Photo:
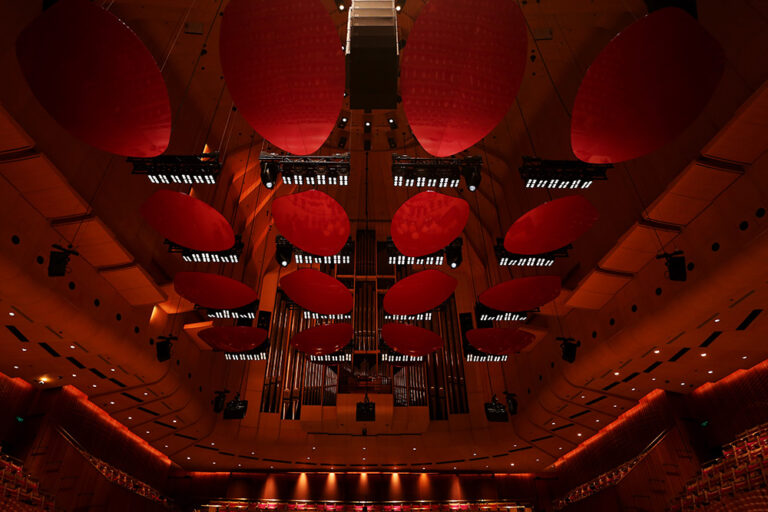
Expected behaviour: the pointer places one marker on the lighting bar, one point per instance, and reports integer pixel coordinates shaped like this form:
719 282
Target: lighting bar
404 318
332 358
394 257
315 170
400 358
305 258
561 174
191 256
309 315
179 169
500 316
508 259
247 312
410 171
262 356
485 358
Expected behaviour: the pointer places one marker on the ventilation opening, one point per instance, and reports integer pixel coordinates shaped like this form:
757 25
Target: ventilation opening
135 399
578 414
143 409
680 353
98 373
630 376
17 333
49 349
750 318
541 439
652 367
712 337
611 385
76 362
596 400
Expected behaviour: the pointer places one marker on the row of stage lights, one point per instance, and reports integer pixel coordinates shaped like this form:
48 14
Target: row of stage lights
305 170
285 251
411 172
399 5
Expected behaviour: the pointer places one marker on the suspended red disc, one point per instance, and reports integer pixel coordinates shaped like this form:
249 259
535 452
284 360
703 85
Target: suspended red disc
461 71
317 292
285 70
551 226
524 294
428 222
323 339
645 88
213 291
419 293
410 340
188 222
96 78
500 341
313 221
234 339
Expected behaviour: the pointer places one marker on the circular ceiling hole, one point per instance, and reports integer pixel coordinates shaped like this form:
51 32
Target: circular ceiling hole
136 329
612 321
634 308
151 341
760 213
15 240
594 334
119 317
96 302
71 285
691 266
658 291
40 260
715 246
744 225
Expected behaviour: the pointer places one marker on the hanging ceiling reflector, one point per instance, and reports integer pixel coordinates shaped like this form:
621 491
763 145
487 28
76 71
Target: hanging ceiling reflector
645 88
323 339
419 293
285 69
234 339
428 222
317 292
188 222
500 341
524 294
96 78
313 221
461 71
550 226
213 291
410 340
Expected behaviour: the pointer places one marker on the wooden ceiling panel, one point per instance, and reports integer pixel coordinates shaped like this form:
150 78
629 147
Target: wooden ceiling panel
745 137
637 247
597 289
95 243
12 137
134 285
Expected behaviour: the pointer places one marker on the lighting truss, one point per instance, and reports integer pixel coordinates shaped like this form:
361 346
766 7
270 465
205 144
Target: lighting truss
408 171
485 358
191 256
508 259
332 358
247 312
400 358
305 258
394 257
309 170
486 314
309 315
405 318
179 169
245 356
561 174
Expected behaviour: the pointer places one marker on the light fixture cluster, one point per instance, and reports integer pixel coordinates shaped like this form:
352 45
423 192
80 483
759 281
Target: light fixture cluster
561 174
400 358
405 318
179 169
485 314
314 170
508 259
247 312
309 315
246 356
408 171
332 358
451 255
485 358
191 256
286 251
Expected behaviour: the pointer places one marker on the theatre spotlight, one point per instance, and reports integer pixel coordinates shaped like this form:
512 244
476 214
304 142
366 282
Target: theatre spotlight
58 260
283 252
268 175
399 5
675 263
340 5
569 346
453 254
472 176
392 122
343 120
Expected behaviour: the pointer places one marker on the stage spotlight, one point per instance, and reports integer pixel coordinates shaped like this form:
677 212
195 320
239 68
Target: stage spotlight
472 176
343 120
392 122
367 127
236 408
392 143
268 175
495 410
453 254
284 252
399 5
58 260
511 402
342 142
569 346
340 5
675 263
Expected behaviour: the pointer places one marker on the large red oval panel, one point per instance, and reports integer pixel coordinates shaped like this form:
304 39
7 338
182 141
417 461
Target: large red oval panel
647 86
285 70
461 71
500 341
213 291
234 338
428 222
551 226
187 221
317 292
323 339
96 78
410 340
524 294
313 221
419 293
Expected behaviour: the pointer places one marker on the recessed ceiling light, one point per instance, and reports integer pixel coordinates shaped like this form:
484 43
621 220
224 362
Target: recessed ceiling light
112 369
633 389
717 320
743 357
537 460
364 448
474 454
147 431
130 418
23 350
614 405
93 385
657 351
11 313
15 367
710 371
582 396
703 354
597 421
579 434
653 378
511 464
111 403
72 347
74 375
414 448
560 448
214 462
189 458
682 383
553 422
616 373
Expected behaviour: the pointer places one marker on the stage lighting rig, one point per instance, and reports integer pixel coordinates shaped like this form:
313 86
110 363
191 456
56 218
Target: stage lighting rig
408 171
390 356
191 256
342 356
486 315
561 174
495 410
409 318
675 263
179 169
309 315
236 408
453 251
285 249
247 312
508 259
453 254
569 346
305 170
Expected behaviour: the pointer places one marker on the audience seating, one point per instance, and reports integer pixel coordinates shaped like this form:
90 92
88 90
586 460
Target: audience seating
18 491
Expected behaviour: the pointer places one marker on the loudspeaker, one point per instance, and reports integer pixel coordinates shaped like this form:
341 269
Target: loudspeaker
366 411
569 351
57 263
676 267
163 350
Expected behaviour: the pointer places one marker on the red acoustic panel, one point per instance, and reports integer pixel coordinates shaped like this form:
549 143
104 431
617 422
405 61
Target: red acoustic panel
317 292
524 294
285 70
461 71
410 340
500 341
188 222
313 221
234 339
96 78
428 222
213 291
323 339
647 86
551 226
419 293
